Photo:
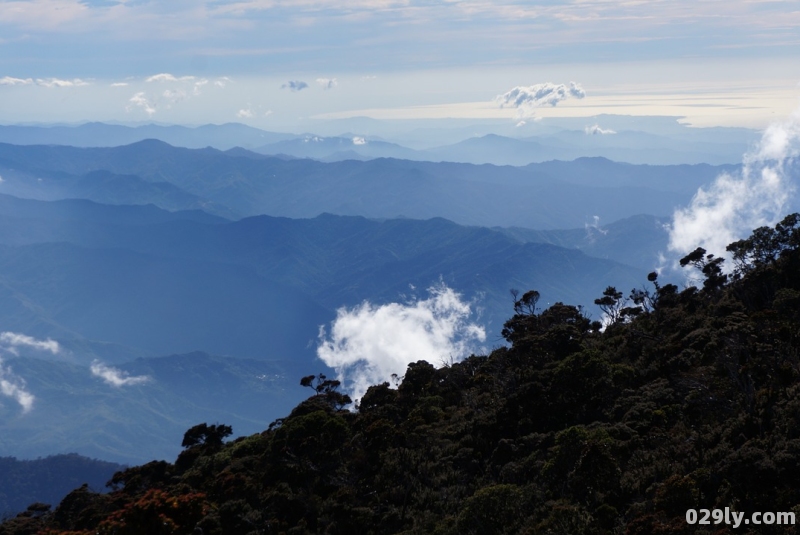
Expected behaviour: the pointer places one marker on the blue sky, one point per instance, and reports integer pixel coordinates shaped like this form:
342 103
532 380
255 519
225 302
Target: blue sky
715 62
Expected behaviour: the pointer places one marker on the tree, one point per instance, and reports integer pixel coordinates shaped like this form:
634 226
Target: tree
206 435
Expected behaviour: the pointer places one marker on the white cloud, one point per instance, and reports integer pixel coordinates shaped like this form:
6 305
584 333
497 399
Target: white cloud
327 83
140 100
735 204
597 129
245 114
222 82
358 140
119 84
527 98
56 82
8 80
12 385
11 341
369 343
294 85
166 77
115 377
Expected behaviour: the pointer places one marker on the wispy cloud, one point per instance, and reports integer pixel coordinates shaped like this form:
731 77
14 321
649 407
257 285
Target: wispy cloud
327 83
14 387
9 80
166 77
57 82
115 377
119 84
10 341
596 129
140 100
369 343
294 85
11 385
737 203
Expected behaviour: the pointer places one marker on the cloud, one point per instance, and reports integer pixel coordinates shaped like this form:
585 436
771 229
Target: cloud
245 114
327 83
596 129
12 341
526 98
294 85
14 387
358 140
369 343
115 377
173 96
736 203
56 82
222 82
8 80
11 385
119 84
140 100
166 77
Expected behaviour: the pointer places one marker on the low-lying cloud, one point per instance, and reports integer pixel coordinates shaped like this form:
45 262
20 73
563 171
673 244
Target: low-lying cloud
527 98
736 203
597 129
11 342
12 385
115 377
369 343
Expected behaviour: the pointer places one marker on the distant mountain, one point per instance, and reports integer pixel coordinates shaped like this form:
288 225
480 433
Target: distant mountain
635 241
550 195
223 136
48 480
339 148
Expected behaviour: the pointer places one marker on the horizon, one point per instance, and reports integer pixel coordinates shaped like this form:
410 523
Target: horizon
286 66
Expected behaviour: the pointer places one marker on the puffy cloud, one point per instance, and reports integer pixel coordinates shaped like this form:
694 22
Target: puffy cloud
527 98
115 377
8 80
358 140
327 83
173 96
12 341
222 82
294 85
245 114
119 84
596 129
369 343
56 82
737 203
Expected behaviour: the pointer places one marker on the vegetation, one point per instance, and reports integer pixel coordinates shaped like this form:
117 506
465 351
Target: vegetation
690 401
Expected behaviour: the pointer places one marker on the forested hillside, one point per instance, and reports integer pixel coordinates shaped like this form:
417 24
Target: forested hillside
687 399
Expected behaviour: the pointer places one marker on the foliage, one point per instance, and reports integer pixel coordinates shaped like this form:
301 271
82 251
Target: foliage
692 402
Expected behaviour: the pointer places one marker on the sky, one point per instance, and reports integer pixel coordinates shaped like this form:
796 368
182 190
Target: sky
285 64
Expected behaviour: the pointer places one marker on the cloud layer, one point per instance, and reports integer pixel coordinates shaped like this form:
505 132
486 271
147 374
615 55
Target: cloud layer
735 204
294 85
369 343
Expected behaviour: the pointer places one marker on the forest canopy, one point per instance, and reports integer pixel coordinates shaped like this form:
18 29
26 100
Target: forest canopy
685 399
